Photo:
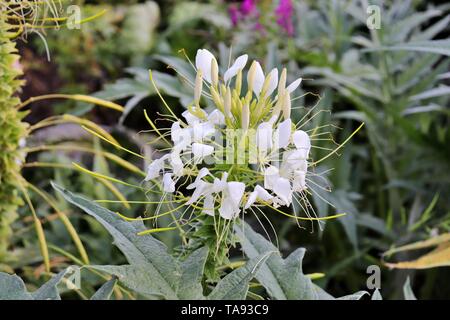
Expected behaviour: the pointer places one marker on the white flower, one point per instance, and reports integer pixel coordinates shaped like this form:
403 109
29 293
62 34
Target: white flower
238 65
273 83
231 198
264 137
200 150
216 118
203 62
258 193
155 168
294 85
255 78
301 140
201 174
285 168
282 189
168 183
283 133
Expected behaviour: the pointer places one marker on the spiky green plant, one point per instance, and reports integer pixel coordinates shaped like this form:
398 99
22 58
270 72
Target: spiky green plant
12 131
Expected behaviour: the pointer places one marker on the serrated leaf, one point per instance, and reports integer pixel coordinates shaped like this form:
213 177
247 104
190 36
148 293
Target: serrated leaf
140 250
234 286
191 275
12 287
49 290
142 278
105 291
283 279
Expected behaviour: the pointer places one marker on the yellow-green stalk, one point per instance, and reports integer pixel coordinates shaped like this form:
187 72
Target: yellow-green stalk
12 131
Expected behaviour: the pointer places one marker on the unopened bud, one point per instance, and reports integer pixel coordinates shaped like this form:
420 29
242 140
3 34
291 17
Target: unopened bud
282 82
198 88
245 117
227 103
214 72
251 76
287 105
238 84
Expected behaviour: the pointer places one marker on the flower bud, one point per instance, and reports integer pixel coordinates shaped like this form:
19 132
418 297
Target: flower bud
214 72
198 88
282 82
245 117
227 103
287 105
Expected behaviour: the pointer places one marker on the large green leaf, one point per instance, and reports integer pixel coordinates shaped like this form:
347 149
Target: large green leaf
282 278
152 272
234 286
105 291
13 288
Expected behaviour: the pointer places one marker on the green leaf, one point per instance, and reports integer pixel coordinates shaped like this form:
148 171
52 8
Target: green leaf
282 278
49 290
140 250
142 278
432 46
152 271
105 291
192 274
13 288
234 286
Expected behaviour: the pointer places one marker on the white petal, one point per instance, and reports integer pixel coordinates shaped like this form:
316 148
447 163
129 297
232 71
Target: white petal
258 80
294 85
201 174
301 140
190 118
283 133
168 183
236 191
283 190
176 163
203 130
239 64
271 174
216 118
273 81
181 137
295 157
203 62
226 210
264 137
299 182
220 185
200 150
199 191
208 204
154 168
258 193
251 199
262 193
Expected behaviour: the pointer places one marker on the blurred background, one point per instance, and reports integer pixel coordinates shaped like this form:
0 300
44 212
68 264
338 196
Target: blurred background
392 179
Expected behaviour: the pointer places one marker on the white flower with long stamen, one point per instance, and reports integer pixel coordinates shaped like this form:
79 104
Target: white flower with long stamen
243 152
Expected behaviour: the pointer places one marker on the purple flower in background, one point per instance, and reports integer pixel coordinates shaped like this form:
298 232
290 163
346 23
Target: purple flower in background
284 13
248 7
234 14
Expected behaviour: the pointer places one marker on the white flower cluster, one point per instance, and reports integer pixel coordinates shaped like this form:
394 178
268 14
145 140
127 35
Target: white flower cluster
282 150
